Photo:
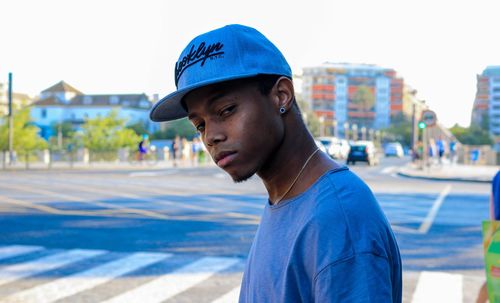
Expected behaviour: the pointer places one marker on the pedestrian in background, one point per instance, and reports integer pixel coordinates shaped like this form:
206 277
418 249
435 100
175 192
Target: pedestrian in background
323 236
195 150
176 146
495 216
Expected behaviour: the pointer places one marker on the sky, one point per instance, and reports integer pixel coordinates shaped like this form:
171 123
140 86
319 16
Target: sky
113 47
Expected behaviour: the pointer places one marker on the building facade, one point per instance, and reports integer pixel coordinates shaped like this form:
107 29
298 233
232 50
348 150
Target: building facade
19 100
63 103
486 108
361 95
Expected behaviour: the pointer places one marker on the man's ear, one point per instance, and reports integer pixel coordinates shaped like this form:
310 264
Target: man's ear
283 94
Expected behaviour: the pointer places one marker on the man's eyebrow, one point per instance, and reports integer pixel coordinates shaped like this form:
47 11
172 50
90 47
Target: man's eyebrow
210 102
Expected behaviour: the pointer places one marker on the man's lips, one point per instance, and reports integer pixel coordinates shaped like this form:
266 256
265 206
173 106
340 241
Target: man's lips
222 159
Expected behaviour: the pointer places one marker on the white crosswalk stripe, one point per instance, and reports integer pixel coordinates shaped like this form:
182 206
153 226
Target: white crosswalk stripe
14 272
81 281
172 276
17 250
438 287
171 284
230 297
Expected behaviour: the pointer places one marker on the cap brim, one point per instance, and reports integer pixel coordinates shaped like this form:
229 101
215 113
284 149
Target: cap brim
170 108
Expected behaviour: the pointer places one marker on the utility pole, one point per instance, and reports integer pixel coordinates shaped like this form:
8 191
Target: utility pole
414 127
11 123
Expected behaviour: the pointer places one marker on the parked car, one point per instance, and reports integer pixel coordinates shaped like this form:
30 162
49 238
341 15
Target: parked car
363 151
321 146
344 148
337 148
394 149
332 145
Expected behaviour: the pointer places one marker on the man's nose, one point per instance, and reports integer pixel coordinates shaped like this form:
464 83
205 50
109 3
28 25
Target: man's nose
214 135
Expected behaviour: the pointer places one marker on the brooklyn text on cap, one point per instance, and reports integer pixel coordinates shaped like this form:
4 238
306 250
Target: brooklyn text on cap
227 53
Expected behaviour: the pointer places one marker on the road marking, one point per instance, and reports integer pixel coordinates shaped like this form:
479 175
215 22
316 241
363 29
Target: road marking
173 283
73 284
110 208
427 223
15 272
388 170
434 287
230 297
151 173
17 250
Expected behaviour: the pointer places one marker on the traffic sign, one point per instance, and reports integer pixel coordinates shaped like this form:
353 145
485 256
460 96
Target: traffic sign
429 117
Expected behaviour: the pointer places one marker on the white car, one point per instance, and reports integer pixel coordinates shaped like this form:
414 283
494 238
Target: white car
394 149
321 146
332 146
344 148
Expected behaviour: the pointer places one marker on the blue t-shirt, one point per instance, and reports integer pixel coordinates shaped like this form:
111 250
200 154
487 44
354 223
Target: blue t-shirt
331 243
495 195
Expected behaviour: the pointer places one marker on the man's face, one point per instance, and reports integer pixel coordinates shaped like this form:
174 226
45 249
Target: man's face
239 126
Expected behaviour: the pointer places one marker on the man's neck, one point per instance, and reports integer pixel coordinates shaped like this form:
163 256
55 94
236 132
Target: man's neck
287 163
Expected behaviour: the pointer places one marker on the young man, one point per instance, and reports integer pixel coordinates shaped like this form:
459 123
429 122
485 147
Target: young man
322 237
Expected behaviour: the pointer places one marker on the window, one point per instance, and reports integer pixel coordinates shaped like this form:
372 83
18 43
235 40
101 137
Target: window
114 100
87 100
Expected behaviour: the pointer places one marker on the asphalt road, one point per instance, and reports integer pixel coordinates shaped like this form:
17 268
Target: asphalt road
182 234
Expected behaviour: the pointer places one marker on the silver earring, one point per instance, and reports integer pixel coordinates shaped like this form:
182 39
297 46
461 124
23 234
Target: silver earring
282 110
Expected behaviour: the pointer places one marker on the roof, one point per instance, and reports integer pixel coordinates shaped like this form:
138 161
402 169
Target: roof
124 100
21 96
49 101
62 87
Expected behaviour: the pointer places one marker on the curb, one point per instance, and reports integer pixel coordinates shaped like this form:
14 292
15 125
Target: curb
407 175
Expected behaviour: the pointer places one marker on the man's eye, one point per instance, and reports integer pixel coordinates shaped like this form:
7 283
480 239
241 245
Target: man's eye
227 110
200 127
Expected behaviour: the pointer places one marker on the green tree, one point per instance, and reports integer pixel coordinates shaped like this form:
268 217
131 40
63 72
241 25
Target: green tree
26 138
182 127
103 136
399 131
65 128
310 119
473 135
66 132
364 97
139 128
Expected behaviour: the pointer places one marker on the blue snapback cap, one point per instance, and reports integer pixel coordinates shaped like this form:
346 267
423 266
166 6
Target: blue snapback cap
227 53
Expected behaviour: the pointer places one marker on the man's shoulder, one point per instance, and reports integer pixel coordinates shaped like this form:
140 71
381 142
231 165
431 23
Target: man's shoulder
345 186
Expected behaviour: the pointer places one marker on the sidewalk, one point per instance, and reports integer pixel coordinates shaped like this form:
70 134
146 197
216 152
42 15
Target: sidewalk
103 165
451 172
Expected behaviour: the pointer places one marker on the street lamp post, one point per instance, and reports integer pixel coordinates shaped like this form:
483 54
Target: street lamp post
346 130
11 123
355 132
322 126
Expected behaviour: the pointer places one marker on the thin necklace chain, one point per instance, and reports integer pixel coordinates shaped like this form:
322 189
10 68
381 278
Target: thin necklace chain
297 177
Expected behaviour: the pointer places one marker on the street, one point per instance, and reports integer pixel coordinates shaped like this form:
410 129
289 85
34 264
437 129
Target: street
182 234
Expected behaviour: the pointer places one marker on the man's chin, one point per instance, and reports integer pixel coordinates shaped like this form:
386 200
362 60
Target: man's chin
240 177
